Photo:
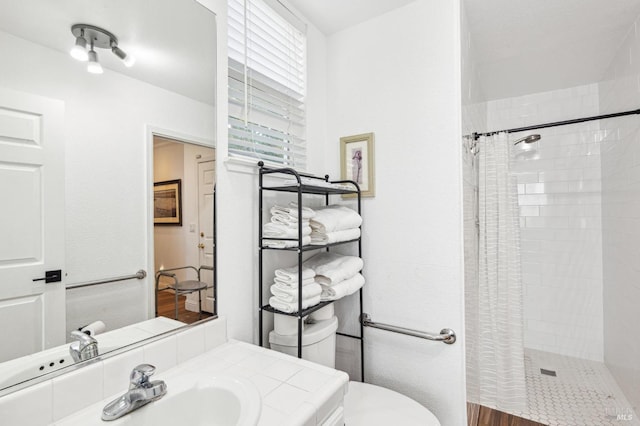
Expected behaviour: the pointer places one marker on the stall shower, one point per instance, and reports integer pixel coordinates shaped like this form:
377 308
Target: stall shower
543 241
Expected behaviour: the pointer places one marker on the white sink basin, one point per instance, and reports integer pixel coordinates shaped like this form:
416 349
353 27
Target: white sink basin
191 400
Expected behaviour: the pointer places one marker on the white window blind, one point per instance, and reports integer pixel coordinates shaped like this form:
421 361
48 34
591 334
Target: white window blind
267 80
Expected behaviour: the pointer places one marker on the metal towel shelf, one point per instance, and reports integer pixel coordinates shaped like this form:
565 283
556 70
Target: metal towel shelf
446 335
141 274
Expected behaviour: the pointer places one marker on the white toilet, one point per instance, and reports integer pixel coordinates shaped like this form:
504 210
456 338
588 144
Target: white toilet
364 404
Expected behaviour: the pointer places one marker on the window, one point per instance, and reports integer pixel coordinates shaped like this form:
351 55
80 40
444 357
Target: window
267 79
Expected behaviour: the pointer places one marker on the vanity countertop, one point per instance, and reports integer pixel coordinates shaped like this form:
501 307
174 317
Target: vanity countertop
293 391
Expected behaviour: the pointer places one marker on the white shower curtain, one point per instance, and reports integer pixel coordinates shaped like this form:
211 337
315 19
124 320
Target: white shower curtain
494 324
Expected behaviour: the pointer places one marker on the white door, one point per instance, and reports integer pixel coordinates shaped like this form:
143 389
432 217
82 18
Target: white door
31 223
206 182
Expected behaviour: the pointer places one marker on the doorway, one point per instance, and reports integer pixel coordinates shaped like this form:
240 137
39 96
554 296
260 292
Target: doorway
183 235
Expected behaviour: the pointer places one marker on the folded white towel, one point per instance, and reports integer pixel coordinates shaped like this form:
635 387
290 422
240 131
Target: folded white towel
291 307
342 289
335 218
320 238
290 294
286 243
275 230
288 220
331 268
291 274
292 210
294 284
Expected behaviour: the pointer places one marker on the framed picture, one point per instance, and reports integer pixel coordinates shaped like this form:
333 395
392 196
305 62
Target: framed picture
357 162
167 203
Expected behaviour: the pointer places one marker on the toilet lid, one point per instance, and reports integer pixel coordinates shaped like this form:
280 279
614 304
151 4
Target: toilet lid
370 405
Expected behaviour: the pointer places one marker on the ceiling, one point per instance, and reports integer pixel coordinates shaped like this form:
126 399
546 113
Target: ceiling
159 33
519 46
524 46
331 16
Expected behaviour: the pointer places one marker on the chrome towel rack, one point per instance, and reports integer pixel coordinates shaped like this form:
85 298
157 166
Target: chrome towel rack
141 274
446 335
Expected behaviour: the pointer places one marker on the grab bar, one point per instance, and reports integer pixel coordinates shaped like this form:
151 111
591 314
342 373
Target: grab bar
446 335
141 274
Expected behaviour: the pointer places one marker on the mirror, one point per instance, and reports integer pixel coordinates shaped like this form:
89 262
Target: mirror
76 163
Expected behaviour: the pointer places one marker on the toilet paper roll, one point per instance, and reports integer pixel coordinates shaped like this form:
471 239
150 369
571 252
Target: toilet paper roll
323 314
286 325
94 328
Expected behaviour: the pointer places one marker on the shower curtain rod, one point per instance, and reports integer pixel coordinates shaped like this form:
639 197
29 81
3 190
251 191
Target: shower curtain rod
476 136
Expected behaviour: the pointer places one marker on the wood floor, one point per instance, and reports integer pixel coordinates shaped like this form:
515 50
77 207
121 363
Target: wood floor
166 300
479 415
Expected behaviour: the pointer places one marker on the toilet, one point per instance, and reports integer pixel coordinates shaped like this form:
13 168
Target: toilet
364 404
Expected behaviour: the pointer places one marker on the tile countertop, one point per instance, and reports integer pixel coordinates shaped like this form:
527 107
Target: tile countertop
293 391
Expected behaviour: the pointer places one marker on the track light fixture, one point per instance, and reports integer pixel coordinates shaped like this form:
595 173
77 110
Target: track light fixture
96 37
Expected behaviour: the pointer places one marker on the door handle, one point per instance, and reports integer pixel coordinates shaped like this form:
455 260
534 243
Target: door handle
201 245
51 276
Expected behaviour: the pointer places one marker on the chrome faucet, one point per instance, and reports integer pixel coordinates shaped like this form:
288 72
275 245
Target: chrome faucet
141 392
85 347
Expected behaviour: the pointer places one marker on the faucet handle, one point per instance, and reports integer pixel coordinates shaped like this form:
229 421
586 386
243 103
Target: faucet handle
140 376
83 338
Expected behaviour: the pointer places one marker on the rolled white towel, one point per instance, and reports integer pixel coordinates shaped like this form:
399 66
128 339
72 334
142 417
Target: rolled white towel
275 230
335 218
291 274
290 294
331 268
320 238
342 289
291 307
286 243
292 210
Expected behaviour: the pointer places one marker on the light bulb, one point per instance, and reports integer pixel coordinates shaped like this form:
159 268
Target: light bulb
79 51
94 66
127 60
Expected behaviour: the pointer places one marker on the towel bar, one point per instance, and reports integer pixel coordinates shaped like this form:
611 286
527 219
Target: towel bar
446 335
139 275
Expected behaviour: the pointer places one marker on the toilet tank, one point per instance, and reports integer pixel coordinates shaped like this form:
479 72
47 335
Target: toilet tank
318 342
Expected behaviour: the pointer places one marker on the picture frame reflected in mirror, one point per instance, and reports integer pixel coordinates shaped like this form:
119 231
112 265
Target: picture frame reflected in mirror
167 203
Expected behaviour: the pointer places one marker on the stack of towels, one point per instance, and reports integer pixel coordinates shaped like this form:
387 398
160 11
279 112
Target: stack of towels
325 276
285 289
284 224
337 275
334 224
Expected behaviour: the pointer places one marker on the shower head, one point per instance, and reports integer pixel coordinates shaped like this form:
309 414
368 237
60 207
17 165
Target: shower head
528 139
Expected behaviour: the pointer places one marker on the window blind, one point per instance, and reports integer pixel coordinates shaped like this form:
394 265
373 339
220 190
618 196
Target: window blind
267 81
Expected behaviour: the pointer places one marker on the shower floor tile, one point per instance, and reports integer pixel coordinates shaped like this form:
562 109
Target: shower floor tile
582 393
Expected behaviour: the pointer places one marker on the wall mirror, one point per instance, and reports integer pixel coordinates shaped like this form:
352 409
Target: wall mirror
80 152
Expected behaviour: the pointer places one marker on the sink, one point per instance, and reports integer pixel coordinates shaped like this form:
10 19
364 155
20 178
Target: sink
196 401
192 400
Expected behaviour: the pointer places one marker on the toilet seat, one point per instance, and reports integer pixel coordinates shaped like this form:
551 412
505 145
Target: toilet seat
370 405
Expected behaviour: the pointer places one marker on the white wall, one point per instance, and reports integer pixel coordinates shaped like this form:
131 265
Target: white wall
619 91
398 75
106 182
559 198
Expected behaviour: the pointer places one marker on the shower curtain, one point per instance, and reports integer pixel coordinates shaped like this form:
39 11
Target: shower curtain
494 320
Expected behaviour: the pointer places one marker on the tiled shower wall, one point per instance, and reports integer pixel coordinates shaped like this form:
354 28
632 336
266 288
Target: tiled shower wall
560 219
620 91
